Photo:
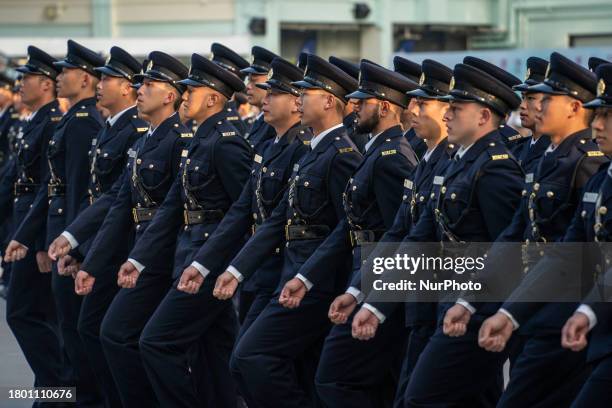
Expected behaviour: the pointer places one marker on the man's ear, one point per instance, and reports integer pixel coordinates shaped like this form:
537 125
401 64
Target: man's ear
485 116
294 104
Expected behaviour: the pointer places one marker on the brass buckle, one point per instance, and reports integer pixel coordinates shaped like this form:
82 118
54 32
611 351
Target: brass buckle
135 215
186 217
287 232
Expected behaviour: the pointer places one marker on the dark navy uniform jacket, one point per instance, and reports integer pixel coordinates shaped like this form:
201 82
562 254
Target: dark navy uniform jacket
213 173
350 124
233 117
108 158
313 202
477 197
371 199
8 118
262 192
155 160
559 181
418 190
29 167
259 133
68 168
418 145
593 211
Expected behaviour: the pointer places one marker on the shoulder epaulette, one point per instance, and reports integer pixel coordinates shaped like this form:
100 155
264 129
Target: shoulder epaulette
589 147
497 151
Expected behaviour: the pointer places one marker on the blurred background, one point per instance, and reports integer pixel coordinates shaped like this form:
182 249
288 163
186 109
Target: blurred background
505 32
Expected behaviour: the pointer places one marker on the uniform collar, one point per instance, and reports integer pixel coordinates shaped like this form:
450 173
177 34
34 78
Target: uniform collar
371 141
315 140
430 152
462 151
113 119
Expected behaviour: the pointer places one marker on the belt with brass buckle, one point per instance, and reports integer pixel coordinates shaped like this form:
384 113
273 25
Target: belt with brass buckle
195 217
143 214
56 190
360 237
305 232
24 188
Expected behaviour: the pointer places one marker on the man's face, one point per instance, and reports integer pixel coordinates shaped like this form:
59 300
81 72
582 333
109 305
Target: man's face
428 120
151 96
461 120
553 115
195 101
408 114
109 90
255 95
530 105
602 129
278 106
351 106
68 82
311 105
368 115
6 96
32 88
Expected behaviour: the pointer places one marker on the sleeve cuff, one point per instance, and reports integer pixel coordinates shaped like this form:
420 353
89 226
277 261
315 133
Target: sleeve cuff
381 317
307 283
71 239
201 268
589 313
512 319
356 293
136 264
231 269
467 305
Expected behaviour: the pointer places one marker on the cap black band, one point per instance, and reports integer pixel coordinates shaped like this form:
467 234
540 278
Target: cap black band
211 82
326 84
384 92
81 63
466 91
563 84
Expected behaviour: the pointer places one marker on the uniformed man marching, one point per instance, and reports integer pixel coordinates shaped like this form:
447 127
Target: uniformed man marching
592 223
371 199
214 170
153 163
309 213
108 158
479 192
570 160
30 310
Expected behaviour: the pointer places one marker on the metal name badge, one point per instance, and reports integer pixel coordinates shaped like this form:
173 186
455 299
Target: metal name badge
529 178
589 197
438 180
408 184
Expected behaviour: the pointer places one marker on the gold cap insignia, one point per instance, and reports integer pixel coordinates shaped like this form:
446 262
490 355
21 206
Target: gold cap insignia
422 79
601 87
270 73
451 85
528 74
150 65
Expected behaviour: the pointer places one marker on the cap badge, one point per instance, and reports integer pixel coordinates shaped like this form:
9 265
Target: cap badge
601 87
546 75
150 65
422 79
528 74
107 60
270 73
451 85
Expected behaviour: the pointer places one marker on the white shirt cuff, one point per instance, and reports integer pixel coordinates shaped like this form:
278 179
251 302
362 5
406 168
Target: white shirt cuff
307 283
512 319
231 269
381 317
201 268
589 313
467 305
71 239
356 293
136 264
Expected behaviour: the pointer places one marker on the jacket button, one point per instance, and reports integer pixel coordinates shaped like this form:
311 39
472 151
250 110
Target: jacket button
453 196
583 214
432 196
138 161
536 186
524 193
603 210
306 184
60 210
272 174
443 189
404 197
550 194
354 188
422 198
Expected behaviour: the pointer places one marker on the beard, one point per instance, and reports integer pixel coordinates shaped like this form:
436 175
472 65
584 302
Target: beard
367 125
